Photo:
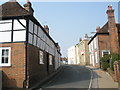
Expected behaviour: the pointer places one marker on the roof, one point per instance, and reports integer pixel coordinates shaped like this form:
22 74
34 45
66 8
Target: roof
11 8
103 31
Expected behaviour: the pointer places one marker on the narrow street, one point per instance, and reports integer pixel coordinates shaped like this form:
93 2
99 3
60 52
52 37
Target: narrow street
76 77
71 76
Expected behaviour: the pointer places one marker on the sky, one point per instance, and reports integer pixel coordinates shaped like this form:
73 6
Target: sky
69 21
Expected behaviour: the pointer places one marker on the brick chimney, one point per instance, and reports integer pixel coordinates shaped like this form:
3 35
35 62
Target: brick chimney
86 36
113 31
46 28
80 40
28 7
97 28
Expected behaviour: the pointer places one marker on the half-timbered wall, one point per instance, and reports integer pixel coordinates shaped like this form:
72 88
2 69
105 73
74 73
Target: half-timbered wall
15 31
37 37
12 30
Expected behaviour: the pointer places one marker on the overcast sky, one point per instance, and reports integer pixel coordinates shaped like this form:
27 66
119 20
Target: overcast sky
68 21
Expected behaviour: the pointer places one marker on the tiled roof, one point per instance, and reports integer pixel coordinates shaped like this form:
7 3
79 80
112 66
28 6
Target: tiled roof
104 29
10 9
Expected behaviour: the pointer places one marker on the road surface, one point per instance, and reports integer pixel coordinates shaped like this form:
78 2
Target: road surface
71 76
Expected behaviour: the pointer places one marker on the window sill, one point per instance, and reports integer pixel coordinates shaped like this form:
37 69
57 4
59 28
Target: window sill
3 65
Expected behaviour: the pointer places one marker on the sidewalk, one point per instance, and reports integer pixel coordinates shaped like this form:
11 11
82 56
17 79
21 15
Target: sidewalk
104 80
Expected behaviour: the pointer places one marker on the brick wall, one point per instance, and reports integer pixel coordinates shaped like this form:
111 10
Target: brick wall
14 75
36 71
103 44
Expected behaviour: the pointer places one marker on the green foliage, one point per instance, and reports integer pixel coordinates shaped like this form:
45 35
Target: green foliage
115 57
108 60
105 62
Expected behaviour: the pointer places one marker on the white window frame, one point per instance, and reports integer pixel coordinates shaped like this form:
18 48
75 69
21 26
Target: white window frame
105 51
9 56
41 57
50 60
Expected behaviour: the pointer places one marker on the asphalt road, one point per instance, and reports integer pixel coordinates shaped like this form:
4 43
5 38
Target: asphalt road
71 76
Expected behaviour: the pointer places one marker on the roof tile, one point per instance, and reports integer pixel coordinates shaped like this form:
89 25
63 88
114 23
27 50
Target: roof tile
9 9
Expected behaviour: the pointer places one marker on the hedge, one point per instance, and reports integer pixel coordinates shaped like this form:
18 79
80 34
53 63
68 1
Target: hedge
106 63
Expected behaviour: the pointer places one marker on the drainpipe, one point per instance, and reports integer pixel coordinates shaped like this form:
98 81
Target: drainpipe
26 82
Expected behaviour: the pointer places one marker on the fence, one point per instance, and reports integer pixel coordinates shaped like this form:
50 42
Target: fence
117 72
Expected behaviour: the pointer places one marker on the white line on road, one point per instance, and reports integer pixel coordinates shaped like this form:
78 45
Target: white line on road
90 85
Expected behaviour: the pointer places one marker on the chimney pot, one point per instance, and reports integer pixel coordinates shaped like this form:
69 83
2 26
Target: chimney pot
110 7
110 11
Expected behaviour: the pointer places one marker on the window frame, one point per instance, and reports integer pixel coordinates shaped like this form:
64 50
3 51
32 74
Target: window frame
50 59
41 59
105 51
9 56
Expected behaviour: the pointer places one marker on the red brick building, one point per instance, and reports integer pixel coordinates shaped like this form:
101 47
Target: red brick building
106 40
27 52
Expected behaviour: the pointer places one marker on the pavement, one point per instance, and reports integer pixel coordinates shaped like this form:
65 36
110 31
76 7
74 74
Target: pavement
103 80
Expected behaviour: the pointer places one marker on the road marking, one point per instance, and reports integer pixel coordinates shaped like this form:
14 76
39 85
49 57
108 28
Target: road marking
90 85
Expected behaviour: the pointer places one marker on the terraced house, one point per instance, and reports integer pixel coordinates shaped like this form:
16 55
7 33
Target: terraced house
27 52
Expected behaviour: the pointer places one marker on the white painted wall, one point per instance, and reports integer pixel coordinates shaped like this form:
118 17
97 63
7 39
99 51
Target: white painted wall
6 25
71 55
77 54
19 36
5 36
94 51
17 25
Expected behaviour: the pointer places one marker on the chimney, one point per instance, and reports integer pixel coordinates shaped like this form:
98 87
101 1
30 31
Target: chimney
28 7
46 28
86 36
97 28
80 40
110 11
113 31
